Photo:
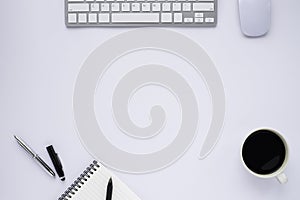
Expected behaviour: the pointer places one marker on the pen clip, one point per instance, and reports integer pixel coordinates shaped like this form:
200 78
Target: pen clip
58 160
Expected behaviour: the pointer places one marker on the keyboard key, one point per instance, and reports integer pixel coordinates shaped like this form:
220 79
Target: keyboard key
92 18
186 7
209 20
115 7
176 6
166 17
146 7
135 7
103 18
166 7
82 18
198 20
95 7
155 7
78 7
135 17
125 7
177 17
72 18
188 20
75 0
199 14
203 7
104 7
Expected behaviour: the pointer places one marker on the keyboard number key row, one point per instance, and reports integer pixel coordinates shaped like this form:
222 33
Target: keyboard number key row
135 18
106 7
76 1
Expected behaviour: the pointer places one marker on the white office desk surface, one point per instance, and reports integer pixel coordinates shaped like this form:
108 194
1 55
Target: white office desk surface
39 62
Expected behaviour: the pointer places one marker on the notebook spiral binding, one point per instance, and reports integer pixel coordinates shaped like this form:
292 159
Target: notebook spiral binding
80 181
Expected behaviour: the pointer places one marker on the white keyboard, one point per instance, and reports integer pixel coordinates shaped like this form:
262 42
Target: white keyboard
87 13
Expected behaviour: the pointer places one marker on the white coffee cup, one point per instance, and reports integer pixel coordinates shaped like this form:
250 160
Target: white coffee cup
265 156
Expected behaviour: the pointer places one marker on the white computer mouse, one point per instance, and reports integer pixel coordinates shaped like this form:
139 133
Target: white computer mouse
255 17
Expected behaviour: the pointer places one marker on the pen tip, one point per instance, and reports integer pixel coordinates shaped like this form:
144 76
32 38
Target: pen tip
110 180
63 178
16 137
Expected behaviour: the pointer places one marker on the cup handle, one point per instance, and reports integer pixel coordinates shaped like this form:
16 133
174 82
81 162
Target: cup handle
282 178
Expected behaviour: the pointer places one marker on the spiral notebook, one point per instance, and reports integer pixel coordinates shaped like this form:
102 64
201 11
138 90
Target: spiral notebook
92 185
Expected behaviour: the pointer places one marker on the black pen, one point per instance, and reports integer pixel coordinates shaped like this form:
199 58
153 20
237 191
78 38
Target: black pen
56 162
109 189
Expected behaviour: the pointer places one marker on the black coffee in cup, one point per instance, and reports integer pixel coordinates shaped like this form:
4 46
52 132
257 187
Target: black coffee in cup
263 152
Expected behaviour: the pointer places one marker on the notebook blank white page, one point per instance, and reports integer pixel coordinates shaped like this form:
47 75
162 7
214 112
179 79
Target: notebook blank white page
92 184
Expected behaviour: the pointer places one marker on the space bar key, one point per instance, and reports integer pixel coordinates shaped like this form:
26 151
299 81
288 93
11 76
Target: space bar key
135 17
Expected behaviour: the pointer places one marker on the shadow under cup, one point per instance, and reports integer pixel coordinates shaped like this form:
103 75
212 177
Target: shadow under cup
265 154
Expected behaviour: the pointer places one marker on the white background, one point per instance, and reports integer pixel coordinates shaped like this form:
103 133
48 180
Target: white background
39 62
